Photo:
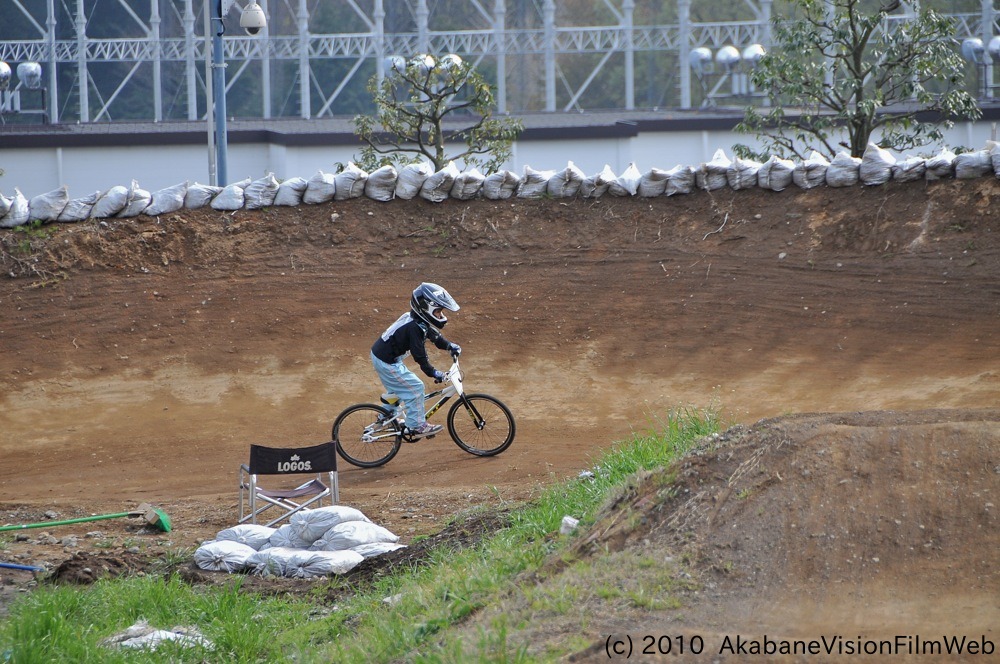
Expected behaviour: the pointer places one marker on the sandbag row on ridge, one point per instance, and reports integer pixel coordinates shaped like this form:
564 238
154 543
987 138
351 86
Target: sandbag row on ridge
876 167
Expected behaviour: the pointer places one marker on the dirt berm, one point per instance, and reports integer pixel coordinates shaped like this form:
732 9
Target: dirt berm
140 358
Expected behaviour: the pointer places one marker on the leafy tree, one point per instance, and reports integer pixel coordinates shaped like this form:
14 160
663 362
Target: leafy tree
413 102
882 76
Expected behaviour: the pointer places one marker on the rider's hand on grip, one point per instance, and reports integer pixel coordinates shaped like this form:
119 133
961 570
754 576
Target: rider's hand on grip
455 349
438 376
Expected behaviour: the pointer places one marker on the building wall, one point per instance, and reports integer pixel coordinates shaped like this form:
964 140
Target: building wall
85 170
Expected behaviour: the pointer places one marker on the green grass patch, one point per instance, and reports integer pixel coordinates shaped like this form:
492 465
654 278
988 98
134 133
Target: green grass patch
68 624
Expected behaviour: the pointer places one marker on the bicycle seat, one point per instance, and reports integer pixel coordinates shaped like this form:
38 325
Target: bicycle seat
389 399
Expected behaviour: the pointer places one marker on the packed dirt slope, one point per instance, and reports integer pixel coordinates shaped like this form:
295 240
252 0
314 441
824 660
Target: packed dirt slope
140 358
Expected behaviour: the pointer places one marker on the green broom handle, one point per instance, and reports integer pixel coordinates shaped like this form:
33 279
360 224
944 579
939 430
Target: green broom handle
66 521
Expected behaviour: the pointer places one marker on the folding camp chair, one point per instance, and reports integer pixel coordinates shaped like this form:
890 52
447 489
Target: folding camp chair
317 460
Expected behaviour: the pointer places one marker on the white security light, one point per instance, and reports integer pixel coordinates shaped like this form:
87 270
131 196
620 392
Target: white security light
728 57
30 74
972 49
396 63
752 54
700 59
252 19
5 75
994 49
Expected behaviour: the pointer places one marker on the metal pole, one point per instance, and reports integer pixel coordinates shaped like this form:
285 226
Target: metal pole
219 98
213 178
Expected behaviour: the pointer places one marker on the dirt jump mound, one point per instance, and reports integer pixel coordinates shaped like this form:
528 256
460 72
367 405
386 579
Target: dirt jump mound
865 526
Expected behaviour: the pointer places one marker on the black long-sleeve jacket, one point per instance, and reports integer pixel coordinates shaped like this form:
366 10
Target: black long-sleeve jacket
407 336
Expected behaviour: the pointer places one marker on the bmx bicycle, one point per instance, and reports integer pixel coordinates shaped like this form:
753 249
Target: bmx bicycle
369 435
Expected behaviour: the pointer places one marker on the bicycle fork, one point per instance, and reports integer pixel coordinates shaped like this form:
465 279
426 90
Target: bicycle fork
474 414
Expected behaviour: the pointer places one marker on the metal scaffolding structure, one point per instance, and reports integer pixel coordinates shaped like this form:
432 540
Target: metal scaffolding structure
151 62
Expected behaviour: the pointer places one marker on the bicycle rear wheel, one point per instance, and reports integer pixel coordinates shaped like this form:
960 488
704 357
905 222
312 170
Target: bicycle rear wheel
481 425
366 435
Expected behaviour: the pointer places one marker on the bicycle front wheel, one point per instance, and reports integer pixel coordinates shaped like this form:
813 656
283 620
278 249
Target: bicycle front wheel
367 435
481 425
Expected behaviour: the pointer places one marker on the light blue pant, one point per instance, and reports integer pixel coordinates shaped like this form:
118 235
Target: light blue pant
406 385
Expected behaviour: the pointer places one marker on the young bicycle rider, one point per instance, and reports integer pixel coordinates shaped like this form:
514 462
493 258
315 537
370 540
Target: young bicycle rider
406 337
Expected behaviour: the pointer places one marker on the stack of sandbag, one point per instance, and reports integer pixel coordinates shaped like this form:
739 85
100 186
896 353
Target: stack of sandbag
318 542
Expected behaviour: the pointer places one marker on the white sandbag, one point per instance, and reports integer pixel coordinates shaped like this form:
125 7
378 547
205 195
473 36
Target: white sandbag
311 564
876 165
287 537
811 172
626 184
230 198
501 185
271 562
565 183
844 171
350 182
411 179
467 185
167 200
79 209
290 191
48 206
5 204
320 189
18 214
223 556
260 193
534 184
381 184
742 174
310 525
712 175
653 183
909 169
595 186
110 203
437 187
941 166
138 200
351 534
198 196
775 174
252 534
968 165
680 180
994 149
377 548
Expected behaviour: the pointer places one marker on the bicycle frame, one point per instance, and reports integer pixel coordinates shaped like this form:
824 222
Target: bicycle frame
455 377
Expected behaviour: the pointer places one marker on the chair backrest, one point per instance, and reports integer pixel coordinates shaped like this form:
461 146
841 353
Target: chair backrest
320 458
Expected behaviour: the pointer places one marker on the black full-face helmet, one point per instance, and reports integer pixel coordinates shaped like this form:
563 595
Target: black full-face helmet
429 302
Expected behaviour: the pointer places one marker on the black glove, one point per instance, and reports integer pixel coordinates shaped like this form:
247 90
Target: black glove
439 376
455 349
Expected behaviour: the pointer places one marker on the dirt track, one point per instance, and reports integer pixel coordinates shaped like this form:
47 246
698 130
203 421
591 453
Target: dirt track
141 358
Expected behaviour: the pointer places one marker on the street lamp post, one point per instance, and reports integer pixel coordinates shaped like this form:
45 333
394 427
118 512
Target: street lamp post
252 20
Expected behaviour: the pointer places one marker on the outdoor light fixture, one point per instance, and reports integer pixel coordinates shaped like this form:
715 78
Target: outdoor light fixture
252 19
752 54
972 50
30 74
700 60
5 75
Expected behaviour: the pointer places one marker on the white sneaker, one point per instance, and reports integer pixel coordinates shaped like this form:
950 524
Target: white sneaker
426 429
